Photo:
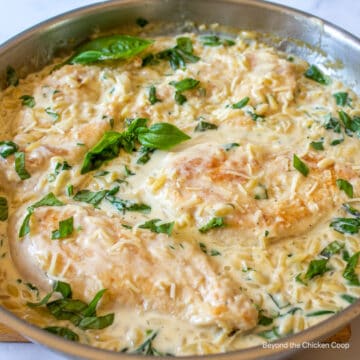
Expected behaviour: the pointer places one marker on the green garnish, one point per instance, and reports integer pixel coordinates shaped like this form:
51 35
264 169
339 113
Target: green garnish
215 222
271 334
52 113
352 211
128 205
90 197
331 123
152 95
7 148
11 77
239 105
230 146
157 226
332 249
317 145
346 225
345 186
145 153
147 347
314 73
349 272
27 100
66 228
20 166
342 98
204 126
114 47
316 267
300 166
181 86
3 209
214 40
352 125
63 332
336 142
350 299
320 313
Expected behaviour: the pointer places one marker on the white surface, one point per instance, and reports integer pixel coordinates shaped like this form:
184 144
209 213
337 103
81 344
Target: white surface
18 15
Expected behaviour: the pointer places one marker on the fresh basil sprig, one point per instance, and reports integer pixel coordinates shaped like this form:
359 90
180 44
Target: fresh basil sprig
346 225
114 47
204 126
3 209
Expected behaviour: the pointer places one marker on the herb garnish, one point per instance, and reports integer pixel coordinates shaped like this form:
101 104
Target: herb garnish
317 145
314 73
20 166
349 272
346 225
214 40
128 205
300 166
350 299
3 209
7 148
147 347
239 105
230 146
152 95
204 125
345 186
66 228
157 226
63 332
11 77
342 98
215 222
181 86
52 113
114 47
145 153
332 249
27 100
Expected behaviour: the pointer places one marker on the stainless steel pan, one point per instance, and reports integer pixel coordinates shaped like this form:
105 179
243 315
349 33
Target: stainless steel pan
319 42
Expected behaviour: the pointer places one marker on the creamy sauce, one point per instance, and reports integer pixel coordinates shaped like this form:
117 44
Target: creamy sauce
201 293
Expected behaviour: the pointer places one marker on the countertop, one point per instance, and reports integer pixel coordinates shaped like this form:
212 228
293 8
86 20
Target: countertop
18 15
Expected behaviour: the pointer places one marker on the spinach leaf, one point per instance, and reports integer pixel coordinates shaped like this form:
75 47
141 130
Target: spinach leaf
300 166
203 126
239 105
3 209
27 100
314 73
161 136
341 98
20 166
317 145
114 47
7 148
106 149
63 332
157 226
96 322
316 267
346 225
11 77
349 272
63 288
214 40
66 228
128 205
332 249
345 186
215 222
152 95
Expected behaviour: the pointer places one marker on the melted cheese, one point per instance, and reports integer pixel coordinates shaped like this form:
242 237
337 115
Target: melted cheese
202 293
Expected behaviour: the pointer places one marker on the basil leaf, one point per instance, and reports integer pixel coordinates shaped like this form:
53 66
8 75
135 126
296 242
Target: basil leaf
3 209
203 126
106 149
341 98
48 200
11 77
337 142
20 166
141 22
314 73
214 40
52 113
346 225
331 123
180 98
215 222
350 299
320 312
95 322
152 95
7 148
184 85
332 249
90 197
162 136
25 226
346 119
316 267
157 226
145 153
91 308
239 105
63 288
265 320
230 146
42 302
348 208
300 166
63 332
349 272
130 135
127 205
66 228
317 145
60 307
345 186
28 100
115 47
